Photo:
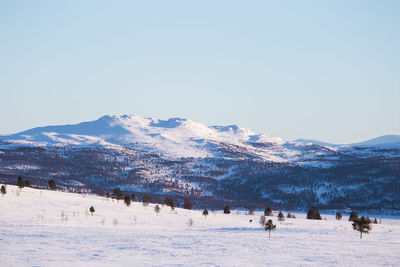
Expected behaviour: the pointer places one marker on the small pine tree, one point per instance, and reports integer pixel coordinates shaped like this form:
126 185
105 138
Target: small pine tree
91 210
205 213
262 220
187 204
20 182
281 217
268 211
27 183
157 209
313 214
3 190
362 225
353 216
269 226
375 221
338 215
227 210
133 197
52 184
127 200
251 211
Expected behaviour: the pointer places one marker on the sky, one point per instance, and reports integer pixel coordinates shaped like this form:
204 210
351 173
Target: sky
326 70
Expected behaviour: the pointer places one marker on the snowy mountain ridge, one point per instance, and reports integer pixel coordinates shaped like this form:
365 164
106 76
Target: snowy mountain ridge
215 164
176 136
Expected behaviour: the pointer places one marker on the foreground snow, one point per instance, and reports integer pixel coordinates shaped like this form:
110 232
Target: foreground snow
48 228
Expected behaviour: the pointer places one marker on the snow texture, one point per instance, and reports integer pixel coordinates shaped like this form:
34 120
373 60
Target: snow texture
50 228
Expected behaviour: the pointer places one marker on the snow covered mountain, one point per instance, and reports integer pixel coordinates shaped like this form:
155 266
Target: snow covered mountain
184 158
173 138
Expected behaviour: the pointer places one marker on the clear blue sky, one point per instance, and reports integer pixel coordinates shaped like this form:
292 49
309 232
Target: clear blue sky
327 70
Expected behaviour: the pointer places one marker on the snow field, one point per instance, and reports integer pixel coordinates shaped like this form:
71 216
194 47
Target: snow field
51 228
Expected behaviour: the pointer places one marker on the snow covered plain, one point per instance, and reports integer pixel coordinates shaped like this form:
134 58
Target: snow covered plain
50 228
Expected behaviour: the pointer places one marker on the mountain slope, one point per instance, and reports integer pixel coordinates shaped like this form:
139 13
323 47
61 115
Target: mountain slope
215 164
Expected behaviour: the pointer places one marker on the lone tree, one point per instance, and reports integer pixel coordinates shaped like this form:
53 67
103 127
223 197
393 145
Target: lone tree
269 226
313 214
205 213
127 200
157 209
169 201
227 210
3 190
362 225
52 184
262 221
268 211
281 217
353 216
20 182
338 215
91 210
187 204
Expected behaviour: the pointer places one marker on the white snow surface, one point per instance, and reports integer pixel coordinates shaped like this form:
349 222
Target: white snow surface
50 228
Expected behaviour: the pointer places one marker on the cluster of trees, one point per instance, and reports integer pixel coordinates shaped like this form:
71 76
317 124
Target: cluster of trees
23 183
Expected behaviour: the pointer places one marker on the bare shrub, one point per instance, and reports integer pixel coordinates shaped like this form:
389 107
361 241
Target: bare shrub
190 223
251 211
262 220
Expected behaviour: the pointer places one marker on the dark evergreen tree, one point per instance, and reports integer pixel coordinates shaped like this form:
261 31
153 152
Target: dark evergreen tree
52 184
281 217
227 210
20 182
268 211
91 210
157 209
205 213
27 183
133 197
338 215
118 193
362 225
127 200
187 204
3 190
375 221
169 201
269 226
353 216
313 214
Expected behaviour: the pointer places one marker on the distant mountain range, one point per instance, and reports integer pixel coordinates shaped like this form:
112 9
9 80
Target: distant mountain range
210 164
381 141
